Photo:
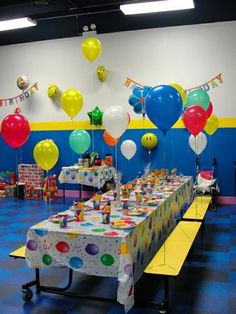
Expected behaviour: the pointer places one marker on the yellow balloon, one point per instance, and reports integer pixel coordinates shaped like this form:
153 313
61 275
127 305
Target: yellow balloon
72 102
102 73
46 154
149 140
211 125
91 48
181 92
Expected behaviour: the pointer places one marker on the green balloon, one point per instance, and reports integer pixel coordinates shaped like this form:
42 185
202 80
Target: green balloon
47 260
95 116
79 141
107 259
198 97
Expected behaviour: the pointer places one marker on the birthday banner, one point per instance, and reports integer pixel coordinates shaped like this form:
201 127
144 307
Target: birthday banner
19 98
213 83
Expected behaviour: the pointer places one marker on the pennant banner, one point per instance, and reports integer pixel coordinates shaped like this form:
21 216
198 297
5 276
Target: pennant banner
213 83
19 98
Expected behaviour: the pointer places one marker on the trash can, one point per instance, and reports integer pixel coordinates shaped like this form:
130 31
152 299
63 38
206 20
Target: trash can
20 191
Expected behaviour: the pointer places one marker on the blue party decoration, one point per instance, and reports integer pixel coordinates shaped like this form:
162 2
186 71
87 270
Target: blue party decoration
163 106
137 99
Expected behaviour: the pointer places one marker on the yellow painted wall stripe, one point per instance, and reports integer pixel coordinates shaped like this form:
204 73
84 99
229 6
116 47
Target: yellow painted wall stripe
134 124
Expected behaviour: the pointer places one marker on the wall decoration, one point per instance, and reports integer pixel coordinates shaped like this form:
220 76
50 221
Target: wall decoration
19 98
212 83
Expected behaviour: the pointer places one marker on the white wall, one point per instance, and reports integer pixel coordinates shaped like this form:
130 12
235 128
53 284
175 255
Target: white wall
187 55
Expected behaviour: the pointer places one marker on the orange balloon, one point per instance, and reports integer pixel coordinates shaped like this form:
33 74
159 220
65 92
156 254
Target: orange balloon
109 140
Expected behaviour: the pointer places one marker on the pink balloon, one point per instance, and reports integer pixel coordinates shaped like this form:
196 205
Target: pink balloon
209 110
195 119
15 130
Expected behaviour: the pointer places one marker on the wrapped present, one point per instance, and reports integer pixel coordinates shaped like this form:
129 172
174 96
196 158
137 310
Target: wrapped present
50 190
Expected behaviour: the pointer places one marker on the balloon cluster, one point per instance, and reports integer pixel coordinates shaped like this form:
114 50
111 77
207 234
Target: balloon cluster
197 117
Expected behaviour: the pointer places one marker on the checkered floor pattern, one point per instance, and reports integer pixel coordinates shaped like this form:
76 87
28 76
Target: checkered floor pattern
206 285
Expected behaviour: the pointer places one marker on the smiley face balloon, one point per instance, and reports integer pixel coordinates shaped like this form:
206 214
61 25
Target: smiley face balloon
149 140
53 91
102 73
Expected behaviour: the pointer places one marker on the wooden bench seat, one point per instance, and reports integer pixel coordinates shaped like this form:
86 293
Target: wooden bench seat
197 210
170 258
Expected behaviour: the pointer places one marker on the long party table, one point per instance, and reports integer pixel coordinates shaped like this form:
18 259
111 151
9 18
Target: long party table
94 248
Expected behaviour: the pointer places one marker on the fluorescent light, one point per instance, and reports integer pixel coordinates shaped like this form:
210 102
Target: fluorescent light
156 6
16 23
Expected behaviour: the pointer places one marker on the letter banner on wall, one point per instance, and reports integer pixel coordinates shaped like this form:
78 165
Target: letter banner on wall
213 83
19 98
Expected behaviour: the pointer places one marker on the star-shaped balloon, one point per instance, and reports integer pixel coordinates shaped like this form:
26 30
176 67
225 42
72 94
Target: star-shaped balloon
95 116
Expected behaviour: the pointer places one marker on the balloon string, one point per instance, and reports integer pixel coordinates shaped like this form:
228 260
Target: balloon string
172 152
210 152
164 152
49 196
91 78
16 163
116 158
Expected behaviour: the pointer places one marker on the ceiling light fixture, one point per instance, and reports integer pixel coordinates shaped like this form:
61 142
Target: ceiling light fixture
156 6
16 23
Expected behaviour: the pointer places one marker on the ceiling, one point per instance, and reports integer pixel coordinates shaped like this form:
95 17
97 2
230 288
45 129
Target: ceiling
66 18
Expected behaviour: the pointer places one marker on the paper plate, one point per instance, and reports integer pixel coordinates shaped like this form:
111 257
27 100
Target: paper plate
54 218
134 212
152 202
122 225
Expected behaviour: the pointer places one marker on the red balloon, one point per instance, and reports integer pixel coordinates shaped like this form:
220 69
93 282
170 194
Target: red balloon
195 119
109 140
15 130
209 110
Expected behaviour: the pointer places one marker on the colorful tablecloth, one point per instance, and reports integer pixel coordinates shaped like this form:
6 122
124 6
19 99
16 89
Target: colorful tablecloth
94 248
90 177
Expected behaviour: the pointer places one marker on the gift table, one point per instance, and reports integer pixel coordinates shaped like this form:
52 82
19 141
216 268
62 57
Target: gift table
94 248
94 176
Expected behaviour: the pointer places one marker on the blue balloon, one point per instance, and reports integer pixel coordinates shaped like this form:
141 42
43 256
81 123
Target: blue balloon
133 100
163 106
138 108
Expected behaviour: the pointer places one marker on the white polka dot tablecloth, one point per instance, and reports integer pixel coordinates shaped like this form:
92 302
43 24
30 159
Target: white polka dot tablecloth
95 177
94 248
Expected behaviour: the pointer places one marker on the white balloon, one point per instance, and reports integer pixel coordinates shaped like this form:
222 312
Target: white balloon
128 149
115 120
198 143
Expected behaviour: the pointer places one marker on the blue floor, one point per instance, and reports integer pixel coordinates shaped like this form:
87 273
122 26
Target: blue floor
206 285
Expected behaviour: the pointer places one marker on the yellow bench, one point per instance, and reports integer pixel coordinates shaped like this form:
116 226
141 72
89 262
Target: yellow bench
19 253
197 210
170 258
